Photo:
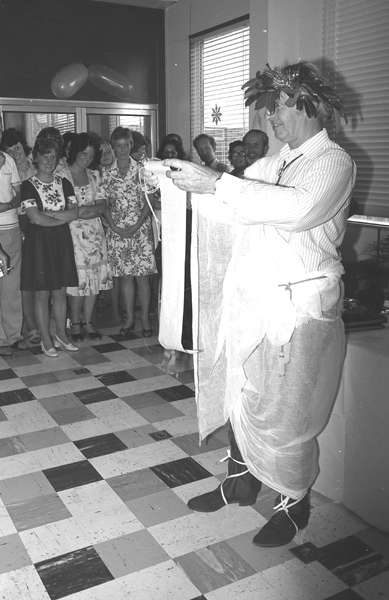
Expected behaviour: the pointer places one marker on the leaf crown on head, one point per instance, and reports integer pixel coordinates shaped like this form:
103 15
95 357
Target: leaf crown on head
301 82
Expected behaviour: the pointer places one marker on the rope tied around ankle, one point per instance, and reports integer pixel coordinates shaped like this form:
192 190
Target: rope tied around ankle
284 506
238 462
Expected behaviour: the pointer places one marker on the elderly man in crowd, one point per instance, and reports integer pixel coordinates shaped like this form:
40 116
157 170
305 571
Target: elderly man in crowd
256 145
271 338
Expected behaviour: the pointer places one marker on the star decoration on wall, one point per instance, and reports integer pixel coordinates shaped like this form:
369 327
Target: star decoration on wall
216 114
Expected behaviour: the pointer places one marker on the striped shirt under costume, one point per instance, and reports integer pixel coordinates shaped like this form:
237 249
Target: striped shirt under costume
270 335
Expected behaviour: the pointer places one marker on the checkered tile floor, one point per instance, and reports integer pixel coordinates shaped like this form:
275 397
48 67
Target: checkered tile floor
98 456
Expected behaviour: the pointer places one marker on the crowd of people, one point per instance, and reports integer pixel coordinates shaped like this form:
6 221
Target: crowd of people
75 225
271 335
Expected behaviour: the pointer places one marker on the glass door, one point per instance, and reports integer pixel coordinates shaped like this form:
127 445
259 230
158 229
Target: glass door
32 117
102 123
99 119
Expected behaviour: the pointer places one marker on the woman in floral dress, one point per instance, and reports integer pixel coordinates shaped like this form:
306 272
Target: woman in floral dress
90 248
130 237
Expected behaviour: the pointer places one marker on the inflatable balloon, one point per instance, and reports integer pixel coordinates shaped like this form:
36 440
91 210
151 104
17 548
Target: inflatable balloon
69 80
110 81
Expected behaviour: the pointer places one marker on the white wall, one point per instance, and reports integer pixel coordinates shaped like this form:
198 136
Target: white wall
282 31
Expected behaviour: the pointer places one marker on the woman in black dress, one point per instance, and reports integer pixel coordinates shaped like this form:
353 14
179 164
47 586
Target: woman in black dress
48 263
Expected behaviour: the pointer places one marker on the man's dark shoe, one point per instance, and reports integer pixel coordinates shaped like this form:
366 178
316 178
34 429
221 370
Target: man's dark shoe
213 501
240 486
291 516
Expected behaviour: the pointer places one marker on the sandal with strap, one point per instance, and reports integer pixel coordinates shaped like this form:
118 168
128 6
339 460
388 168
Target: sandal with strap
79 336
33 336
95 336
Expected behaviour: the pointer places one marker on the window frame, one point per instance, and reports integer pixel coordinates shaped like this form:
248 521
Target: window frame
81 110
197 125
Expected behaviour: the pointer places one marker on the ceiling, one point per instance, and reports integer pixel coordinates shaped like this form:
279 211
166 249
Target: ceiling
143 3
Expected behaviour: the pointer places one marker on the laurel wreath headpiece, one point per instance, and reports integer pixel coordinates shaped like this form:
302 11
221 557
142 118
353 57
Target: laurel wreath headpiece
301 82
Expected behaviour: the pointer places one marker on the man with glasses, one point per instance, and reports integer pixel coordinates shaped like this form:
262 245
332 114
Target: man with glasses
237 157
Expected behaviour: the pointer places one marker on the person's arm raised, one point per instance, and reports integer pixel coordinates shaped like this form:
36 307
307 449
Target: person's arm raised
192 177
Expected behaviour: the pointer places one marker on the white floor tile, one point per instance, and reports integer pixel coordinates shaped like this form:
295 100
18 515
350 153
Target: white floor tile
23 584
54 539
184 535
164 581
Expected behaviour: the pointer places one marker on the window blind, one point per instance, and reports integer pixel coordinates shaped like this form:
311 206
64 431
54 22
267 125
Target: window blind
219 67
132 122
34 122
356 60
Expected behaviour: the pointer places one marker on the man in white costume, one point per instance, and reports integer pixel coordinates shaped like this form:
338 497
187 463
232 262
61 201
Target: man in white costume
270 333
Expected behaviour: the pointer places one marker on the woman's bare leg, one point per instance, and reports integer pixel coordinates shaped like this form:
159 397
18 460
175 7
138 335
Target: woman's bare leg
42 317
115 299
144 295
128 295
59 312
76 309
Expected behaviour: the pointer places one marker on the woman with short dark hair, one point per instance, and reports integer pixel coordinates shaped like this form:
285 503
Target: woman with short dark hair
129 237
90 248
48 263
139 149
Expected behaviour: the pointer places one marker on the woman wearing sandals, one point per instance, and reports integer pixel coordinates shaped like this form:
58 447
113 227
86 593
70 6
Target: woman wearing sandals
130 236
90 248
48 263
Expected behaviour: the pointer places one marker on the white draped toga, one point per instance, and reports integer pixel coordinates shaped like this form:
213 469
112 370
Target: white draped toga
267 300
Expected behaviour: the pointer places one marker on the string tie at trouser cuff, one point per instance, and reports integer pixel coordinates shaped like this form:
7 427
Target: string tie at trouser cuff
285 504
233 475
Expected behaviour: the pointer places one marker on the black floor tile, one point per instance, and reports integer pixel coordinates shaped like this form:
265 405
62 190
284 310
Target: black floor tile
178 392
35 350
307 552
81 371
16 396
100 445
118 337
352 560
115 377
95 395
70 573
72 475
7 374
180 472
113 347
